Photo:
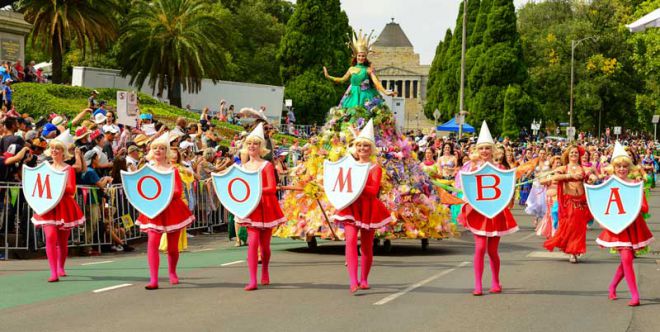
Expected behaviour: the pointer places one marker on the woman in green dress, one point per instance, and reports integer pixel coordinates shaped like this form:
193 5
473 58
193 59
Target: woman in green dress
365 86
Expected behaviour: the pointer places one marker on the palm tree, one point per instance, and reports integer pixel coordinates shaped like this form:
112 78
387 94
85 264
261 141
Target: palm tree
172 44
57 23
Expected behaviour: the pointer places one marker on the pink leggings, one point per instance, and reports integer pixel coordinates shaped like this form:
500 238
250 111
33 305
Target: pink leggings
154 259
367 249
258 238
626 270
481 244
56 239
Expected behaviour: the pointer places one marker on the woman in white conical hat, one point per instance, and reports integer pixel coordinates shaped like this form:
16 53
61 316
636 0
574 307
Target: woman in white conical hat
267 215
486 231
366 214
171 221
634 239
66 215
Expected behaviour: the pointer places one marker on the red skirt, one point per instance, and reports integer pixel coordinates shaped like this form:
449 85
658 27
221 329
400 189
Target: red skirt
367 212
636 236
173 218
571 235
65 215
478 224
267 214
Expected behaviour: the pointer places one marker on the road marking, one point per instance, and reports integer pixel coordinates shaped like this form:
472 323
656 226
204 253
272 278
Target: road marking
200 250
111 288
231 263
95 263
419 284
547 254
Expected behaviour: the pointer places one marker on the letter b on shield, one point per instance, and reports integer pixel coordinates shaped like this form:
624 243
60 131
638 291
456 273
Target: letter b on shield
488 189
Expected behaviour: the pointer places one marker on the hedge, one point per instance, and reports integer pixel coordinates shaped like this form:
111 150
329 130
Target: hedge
42 99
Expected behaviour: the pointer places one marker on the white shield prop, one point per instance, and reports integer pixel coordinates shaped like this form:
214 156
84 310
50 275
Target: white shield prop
239 190
489 189
615 204
43 187
149 190
344 180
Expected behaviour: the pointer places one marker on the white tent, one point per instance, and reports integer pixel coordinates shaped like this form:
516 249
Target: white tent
651 20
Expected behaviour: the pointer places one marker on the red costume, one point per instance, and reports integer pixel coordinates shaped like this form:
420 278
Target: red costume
171 220
174 217
260 223
268 213
67 213
636 236
367 211
364 215
57 224
487 232
574 214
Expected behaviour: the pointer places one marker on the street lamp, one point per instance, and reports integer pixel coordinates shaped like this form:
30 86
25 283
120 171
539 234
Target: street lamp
574 44
461 110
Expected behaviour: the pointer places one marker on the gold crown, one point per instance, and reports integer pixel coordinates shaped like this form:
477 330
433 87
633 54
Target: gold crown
361 42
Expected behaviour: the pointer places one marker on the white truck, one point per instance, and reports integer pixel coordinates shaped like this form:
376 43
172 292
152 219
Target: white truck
234 93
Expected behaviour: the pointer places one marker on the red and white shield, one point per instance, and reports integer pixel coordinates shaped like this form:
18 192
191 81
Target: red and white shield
344 180
43 186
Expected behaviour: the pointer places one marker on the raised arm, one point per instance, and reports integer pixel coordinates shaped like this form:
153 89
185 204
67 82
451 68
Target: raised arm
378 85
337 79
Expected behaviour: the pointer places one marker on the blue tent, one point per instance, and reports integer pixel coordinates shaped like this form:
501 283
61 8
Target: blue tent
453 127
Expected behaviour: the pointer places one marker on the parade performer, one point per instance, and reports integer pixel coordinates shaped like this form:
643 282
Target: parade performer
267 215
406 191
631 241
58 222
363 79
536 201
545 227
486 231
175 217
571 235
366 214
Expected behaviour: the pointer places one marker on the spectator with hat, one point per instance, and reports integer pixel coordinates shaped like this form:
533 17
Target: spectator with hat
103 165
133 158
91 101
49 131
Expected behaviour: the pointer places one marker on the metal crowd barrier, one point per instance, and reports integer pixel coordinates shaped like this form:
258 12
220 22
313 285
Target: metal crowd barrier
110 218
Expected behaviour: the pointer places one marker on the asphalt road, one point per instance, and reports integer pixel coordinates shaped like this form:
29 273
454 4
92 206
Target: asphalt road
412 290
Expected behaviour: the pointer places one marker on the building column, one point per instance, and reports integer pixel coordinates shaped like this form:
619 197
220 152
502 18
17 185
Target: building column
415 87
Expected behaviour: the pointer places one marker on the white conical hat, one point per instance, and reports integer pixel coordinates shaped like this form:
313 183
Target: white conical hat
258 132
65 137
618 151
163 139
484 135
368 131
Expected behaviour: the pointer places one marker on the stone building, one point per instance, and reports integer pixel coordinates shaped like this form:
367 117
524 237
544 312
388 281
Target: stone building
13 30
398 67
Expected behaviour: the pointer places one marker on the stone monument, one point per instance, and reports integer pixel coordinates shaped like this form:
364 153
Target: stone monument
13 29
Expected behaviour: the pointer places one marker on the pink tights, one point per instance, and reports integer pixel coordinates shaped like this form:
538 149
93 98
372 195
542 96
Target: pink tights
57 249
154 259
626 270
258 239
481 245
367 249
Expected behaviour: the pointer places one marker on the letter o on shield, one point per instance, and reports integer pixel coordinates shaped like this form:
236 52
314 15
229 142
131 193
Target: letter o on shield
149 190
243 192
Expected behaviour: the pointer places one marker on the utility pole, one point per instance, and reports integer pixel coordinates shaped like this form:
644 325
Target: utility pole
462 88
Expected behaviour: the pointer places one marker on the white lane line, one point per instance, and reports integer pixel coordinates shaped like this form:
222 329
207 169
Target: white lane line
419 284
547 254
95 263
200 250
231 263
100 290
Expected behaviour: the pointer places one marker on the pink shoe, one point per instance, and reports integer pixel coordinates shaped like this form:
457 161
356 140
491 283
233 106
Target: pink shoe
477 292
61 273
364 285
496 290
151 286
354 289
53 279
634 303
250 287
174 279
